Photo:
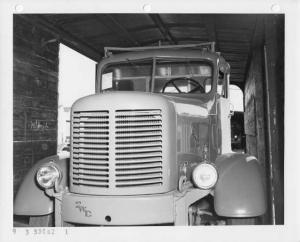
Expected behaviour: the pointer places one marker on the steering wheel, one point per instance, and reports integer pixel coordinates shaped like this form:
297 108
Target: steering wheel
194 82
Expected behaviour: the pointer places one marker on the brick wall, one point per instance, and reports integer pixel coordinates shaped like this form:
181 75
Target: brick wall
35 76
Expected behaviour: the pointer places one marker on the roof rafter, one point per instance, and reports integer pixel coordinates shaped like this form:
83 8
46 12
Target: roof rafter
210 24
63 36
163 28
110 22
256 41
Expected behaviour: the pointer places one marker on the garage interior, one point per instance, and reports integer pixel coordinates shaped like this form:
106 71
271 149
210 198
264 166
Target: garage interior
253 45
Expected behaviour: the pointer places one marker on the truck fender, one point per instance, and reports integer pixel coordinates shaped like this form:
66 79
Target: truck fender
31 199
240 190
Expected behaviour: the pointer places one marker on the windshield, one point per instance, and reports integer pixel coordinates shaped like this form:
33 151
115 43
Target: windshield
160 76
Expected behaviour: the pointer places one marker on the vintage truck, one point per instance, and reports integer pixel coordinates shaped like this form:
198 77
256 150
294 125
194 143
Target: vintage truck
152 146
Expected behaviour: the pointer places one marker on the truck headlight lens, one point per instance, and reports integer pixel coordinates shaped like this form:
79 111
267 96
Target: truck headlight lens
47 176
205 175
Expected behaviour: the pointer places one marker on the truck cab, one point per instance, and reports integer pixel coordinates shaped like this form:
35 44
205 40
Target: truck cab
152 146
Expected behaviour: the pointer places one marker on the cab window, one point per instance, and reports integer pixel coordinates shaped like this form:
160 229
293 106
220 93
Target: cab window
160 75
127 76
182 76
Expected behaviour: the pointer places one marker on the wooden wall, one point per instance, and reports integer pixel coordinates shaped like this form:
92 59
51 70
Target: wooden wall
274 46
264 113
35 76
255 117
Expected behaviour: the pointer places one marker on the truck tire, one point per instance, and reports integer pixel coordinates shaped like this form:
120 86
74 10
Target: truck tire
41 221
241 221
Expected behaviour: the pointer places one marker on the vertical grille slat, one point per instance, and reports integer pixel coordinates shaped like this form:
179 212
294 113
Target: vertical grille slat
138 148
90 149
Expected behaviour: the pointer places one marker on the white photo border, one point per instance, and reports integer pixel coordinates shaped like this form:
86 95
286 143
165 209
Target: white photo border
287 232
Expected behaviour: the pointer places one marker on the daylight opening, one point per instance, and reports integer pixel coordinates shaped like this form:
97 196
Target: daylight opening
76 80
236 98
238 138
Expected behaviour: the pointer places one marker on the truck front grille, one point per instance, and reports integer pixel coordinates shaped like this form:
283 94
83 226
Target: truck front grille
116 149
138 148
90 148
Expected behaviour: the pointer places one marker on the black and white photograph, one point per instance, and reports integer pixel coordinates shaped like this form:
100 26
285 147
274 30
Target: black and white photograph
150 119
170 125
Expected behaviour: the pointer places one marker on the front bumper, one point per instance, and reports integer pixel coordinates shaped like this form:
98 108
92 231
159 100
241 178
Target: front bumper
118 210
164 208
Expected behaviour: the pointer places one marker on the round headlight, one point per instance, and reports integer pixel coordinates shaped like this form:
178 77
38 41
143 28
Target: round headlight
47 176
205 175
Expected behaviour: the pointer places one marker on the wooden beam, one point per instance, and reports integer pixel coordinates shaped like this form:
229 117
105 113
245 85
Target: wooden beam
111 23
237 52
186 24
153 26
190 38
63 36
210 24
71 19
233 55
274 96
233 44
163 28
256 40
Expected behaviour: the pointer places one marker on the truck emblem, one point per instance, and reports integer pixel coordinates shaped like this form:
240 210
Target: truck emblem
83 209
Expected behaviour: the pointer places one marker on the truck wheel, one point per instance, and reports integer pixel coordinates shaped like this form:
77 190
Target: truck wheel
241 221
41 221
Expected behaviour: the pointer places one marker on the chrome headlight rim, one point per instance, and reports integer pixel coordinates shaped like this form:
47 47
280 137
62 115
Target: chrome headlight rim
56 175
196 171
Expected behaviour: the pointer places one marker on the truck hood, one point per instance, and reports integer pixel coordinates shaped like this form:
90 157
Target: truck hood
190 107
